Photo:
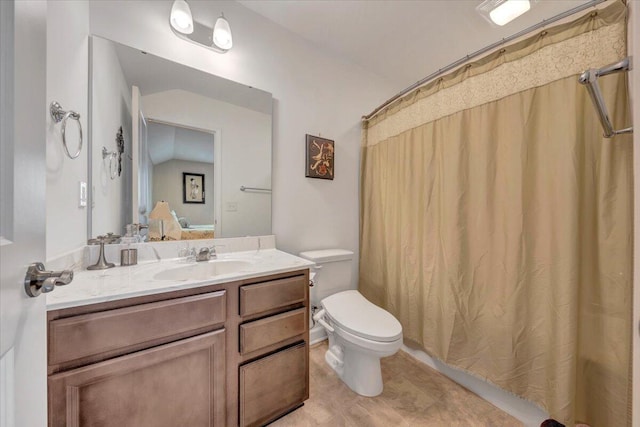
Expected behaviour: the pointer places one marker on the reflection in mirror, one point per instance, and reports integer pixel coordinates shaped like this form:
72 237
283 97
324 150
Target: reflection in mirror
182 175
177 122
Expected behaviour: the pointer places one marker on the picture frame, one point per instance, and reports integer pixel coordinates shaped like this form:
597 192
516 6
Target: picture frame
319 157
192 187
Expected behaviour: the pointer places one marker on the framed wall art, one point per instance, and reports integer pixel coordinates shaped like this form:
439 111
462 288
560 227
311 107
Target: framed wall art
319 157
192 187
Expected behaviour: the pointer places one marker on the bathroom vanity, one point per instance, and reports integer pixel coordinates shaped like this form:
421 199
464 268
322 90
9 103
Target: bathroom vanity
228 351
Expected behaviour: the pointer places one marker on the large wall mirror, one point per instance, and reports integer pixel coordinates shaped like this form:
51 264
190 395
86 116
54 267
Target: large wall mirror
167 139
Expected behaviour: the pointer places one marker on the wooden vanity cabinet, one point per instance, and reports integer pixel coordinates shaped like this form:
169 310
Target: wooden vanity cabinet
274 349
187 357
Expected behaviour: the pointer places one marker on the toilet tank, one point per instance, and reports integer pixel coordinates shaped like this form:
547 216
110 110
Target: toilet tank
333 272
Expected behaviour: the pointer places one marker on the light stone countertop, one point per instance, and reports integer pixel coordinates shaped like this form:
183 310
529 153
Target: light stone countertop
91 287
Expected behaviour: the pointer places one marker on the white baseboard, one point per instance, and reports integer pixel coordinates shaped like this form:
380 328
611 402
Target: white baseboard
527 412
317 334
7 399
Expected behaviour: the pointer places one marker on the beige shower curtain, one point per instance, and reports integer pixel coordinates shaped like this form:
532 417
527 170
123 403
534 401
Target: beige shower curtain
496 221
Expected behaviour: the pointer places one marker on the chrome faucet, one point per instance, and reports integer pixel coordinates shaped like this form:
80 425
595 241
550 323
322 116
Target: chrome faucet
206 254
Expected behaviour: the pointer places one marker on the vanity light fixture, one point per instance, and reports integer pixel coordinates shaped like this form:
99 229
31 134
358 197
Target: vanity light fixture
181 19
218 38
501 12
222 33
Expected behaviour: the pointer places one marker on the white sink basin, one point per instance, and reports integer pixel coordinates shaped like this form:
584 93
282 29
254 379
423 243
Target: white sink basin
203 270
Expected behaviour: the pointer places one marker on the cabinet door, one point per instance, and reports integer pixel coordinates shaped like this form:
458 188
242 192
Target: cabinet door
273 385
177 384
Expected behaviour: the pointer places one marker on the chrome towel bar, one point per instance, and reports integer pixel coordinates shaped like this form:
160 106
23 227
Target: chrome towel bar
590 79
266 190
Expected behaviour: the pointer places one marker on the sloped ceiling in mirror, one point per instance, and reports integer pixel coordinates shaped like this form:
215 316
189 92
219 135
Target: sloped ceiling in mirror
153 74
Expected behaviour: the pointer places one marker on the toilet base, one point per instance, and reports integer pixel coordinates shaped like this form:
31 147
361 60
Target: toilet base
360 370
362 373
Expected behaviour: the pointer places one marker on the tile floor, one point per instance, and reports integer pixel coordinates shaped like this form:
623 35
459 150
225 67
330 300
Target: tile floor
414 395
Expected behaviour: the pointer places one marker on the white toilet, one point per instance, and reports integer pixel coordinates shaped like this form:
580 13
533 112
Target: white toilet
359 332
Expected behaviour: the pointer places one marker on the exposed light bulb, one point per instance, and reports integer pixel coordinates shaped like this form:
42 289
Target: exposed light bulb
181 18
508 11
222 34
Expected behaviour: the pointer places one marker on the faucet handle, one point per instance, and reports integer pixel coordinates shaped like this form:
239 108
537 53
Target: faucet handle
212 252
212 248
183 250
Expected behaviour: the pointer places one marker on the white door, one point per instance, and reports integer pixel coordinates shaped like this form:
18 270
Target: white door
23 375
138 143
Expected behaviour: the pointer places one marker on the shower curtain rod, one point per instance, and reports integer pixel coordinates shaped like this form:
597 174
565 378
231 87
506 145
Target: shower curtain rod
484 50
590 79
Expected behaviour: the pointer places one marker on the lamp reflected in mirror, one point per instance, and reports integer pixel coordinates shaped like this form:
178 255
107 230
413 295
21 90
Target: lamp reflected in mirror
177 120
180 170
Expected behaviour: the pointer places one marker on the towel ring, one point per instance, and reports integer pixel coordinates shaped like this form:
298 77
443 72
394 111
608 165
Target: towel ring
59 115
111 155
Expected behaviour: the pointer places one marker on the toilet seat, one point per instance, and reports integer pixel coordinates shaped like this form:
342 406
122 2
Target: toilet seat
379 348
353 313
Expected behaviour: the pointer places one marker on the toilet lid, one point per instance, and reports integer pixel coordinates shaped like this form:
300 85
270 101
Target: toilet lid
355 314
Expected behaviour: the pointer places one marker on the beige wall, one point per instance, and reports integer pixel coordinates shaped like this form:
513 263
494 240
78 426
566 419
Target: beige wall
167 186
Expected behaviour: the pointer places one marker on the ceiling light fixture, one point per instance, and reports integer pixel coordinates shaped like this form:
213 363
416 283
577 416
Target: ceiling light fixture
501 12
218 38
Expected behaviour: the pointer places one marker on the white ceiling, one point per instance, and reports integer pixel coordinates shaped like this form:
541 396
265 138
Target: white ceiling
401 41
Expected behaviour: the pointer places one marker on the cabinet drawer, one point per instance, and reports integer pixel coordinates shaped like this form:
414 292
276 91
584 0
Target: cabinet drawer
116 331
272 330
273 385
267 296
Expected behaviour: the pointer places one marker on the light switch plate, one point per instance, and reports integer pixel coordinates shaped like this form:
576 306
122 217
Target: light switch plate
82 194
231 206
